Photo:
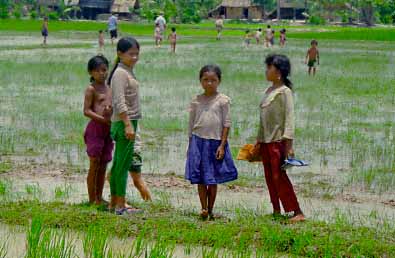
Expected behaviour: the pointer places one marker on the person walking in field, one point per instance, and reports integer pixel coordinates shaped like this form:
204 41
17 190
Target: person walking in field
162 24
158 36
283 38
209 160
101 42
113 27
125 117
258 35
99 145
219 25
44 30
268 36
312 57
276 134
173 39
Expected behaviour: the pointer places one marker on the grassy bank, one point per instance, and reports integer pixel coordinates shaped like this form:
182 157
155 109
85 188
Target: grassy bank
244 235
207 29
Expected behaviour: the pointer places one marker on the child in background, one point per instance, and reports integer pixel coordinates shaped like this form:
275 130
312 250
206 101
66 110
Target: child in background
258 35
247 38
209 161
44 30
268 36
272 39
276 134
312 56
158 35
282 37
101 42
97 106
219 25
173 39
127 112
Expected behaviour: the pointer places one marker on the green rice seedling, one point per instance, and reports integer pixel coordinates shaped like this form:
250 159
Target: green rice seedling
33 238
160 249
95 243
63 192
55 243
33 191
5 187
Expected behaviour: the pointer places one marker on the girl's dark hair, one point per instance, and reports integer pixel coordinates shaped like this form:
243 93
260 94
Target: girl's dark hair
95 62
210 68
283 65
124 44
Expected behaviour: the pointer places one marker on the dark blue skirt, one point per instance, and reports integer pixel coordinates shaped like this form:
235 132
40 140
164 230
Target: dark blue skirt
203 168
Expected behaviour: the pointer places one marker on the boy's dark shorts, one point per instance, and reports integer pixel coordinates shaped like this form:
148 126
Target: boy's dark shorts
114 33
137 163
98 141
44 33
311 63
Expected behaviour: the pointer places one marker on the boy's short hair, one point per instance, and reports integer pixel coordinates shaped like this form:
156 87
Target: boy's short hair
100 31
247 31
268 26
314 42
173 29
260 29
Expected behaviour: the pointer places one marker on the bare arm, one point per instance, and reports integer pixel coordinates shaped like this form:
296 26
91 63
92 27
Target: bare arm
224 138
88 103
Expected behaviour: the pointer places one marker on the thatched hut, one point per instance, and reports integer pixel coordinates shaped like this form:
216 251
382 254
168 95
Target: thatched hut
238 9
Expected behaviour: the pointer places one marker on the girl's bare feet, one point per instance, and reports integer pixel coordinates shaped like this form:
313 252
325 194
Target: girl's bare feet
297 218
204 214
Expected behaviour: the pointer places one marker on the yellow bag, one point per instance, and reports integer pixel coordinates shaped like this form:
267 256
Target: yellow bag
247 153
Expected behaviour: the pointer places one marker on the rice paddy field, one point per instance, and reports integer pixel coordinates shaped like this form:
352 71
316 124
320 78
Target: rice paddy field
345 128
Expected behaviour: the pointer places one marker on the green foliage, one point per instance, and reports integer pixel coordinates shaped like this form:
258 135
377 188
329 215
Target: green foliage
316 20
33 14
4 9
53 16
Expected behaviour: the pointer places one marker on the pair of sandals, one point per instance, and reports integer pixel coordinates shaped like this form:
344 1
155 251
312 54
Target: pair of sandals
127 211
292 162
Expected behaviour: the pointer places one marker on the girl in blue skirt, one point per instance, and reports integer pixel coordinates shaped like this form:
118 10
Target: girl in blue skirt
209 160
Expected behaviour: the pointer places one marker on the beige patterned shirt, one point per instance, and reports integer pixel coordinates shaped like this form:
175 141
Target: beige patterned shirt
125 94
276 116
209 115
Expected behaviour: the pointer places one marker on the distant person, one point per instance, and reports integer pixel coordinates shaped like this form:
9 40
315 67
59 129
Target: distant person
101 42
268 36
173 39
258 35
247 39
312 57
158 36
219 26
44 30
99 145
112 27
162 24
283 38
272 39
209 160
275 136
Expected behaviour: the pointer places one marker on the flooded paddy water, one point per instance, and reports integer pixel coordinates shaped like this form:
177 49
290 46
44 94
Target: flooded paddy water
345 127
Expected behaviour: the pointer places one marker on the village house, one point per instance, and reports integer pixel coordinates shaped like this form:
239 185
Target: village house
247 9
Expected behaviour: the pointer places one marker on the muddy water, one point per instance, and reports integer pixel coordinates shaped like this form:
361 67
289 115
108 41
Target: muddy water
16 243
